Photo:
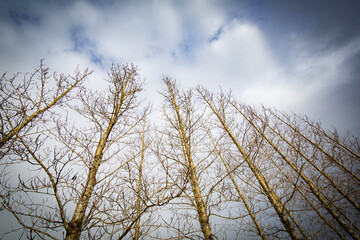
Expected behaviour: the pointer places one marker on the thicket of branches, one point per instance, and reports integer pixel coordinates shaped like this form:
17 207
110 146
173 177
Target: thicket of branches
82 164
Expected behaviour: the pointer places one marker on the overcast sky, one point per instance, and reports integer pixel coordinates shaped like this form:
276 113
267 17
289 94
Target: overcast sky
297 56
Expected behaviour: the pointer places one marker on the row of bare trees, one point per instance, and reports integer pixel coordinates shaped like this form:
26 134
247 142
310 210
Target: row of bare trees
77 163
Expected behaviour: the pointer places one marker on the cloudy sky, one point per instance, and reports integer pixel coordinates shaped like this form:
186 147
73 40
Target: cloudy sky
297 56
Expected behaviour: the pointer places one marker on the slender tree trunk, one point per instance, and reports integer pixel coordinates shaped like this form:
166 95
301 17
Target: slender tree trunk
252 215
138 200
310 203
339 164
200 206
271 195
346 196
312 187
335 141
74 227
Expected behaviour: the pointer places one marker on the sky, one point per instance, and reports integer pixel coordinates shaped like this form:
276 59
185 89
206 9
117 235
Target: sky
296 56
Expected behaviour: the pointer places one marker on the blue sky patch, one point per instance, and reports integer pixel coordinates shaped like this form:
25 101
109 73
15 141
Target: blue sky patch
216 35
23 18
83 44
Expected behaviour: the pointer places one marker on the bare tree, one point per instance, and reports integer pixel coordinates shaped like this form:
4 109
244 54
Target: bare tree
118 107
76 182
92 166
229 173
219 111
183 139
149 192
293 157
22 102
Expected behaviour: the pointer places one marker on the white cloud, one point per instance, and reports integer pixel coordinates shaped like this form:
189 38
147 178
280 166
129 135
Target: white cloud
238 59
29 43
193 41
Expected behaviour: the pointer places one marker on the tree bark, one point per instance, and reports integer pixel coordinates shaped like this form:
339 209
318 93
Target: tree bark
271 195
74 227
200 206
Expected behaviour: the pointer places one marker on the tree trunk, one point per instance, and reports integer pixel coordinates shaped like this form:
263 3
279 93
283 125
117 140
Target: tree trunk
270 194
200 206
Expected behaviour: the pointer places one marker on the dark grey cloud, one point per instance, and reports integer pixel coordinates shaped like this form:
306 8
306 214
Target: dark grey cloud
324 24
347 95
321 29
327 23
337 107
22 12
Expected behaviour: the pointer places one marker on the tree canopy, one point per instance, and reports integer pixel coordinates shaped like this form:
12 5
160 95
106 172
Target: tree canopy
82 164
